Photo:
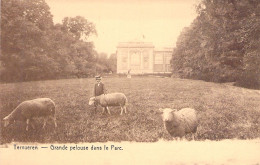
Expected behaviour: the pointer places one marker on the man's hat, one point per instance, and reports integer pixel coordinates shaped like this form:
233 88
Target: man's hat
98 77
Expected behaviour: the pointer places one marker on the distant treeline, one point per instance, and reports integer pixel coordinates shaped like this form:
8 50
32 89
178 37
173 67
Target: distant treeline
222 44
34 48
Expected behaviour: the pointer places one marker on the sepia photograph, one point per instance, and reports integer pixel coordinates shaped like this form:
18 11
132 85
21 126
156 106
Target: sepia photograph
130 82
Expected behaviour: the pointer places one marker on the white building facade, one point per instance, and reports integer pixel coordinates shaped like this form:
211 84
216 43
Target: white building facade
142 57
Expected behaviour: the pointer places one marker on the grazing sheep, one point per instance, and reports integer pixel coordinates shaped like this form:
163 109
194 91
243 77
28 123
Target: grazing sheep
111 99
27 110
179 123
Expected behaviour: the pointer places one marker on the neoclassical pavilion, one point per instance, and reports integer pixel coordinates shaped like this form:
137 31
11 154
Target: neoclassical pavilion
142 57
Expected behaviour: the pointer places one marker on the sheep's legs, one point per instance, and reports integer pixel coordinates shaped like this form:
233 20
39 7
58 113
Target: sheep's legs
125 108
27 122
108 111
103 110
54 120
32 123
44 122
122 110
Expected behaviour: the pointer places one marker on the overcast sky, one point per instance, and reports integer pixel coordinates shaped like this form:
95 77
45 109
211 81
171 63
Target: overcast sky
157 21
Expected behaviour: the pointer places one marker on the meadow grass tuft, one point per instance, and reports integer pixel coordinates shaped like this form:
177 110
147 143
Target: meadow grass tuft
224 111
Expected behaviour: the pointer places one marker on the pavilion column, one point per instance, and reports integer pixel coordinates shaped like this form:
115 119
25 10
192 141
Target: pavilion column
142 61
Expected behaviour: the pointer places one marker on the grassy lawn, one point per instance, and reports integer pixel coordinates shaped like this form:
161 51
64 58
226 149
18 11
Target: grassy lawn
225 112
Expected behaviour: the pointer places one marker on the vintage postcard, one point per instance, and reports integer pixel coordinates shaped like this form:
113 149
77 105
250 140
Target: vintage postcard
130 82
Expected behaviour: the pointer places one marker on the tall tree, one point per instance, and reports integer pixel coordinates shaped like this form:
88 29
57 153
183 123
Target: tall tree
80 27
24 25
32 48
218 46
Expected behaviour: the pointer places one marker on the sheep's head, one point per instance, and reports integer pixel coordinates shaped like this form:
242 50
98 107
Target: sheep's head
91 101
167 114
7 120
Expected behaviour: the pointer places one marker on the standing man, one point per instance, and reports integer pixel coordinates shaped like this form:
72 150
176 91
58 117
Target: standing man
99 89
128 73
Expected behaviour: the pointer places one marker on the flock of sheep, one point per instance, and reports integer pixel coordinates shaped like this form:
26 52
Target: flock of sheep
178 123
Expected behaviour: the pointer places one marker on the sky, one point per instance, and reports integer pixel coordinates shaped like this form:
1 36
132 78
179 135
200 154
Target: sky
156 21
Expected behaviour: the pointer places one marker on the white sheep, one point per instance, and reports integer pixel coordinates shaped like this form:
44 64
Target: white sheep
179 123
27 110
110 99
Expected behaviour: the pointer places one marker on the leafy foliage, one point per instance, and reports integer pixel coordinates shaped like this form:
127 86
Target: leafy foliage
222 43
33 48
105 64
112 60
79 27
